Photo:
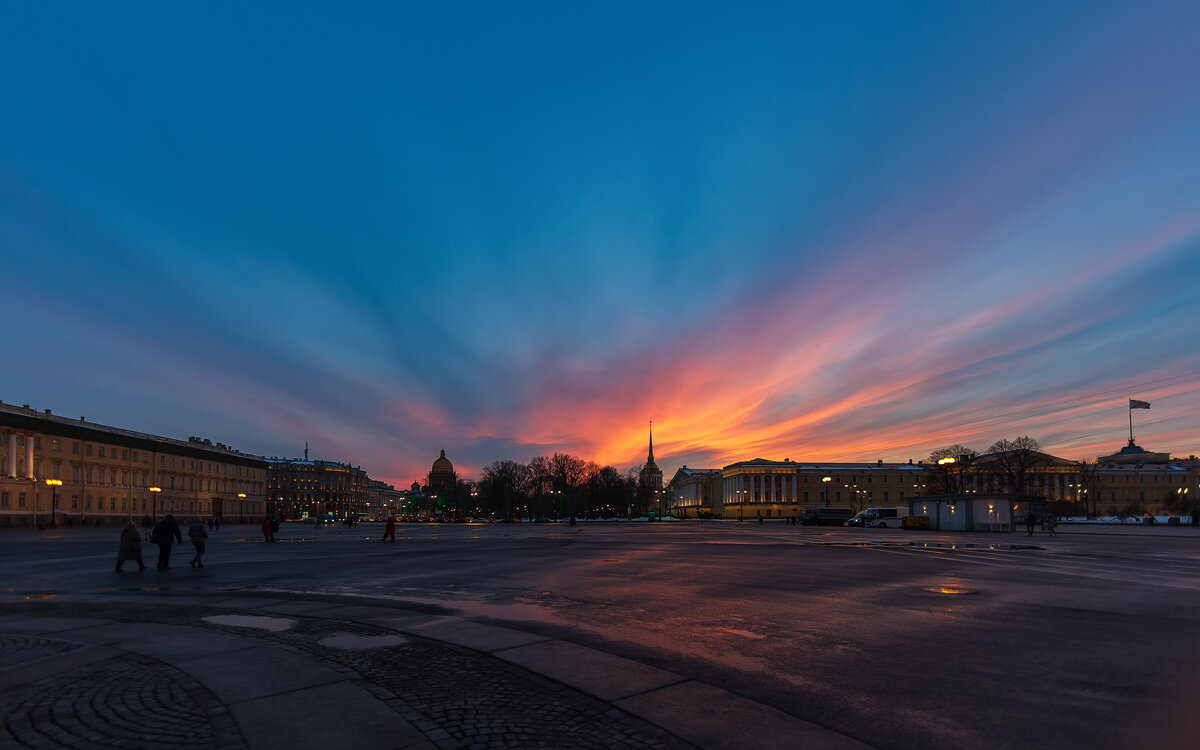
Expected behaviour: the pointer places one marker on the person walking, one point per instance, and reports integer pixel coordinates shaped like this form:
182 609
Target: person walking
217 523
131 547
199 535
268 535
165 533
1030 521
147 524
389 529
1051 524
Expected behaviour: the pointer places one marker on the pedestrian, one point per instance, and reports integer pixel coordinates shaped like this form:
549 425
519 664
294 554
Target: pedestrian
389 529
760 519
1030 521
217 523
147 524
165 533
268 536
131 547
199 535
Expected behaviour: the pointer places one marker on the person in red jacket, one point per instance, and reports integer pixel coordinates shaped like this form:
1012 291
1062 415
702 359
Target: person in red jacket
389 529
268 534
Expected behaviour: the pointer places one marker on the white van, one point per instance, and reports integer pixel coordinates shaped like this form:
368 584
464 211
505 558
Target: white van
881 518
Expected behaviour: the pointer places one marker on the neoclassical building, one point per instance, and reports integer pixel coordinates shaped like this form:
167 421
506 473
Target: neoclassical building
299 488
57 470
442 477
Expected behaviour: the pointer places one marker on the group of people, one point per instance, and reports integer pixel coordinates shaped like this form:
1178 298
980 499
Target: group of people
165 534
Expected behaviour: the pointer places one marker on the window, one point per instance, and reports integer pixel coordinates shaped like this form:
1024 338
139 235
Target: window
74 502
37 443
55 444
75 447
112 503
162 460
4 499
124 454
101 451
21 499
88 449
88 474
885 496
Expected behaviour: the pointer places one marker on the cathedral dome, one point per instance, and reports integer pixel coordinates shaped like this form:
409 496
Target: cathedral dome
442 463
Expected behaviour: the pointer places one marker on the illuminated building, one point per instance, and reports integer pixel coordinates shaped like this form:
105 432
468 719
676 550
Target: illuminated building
111 475
298 488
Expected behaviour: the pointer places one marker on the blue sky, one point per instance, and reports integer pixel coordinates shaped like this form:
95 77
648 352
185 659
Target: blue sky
842 230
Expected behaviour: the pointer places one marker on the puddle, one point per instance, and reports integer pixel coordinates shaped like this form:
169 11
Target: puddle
274 624
40 597
351 642
743 633
949 590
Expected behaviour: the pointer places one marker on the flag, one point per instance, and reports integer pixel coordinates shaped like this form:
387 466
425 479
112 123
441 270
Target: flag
1135 404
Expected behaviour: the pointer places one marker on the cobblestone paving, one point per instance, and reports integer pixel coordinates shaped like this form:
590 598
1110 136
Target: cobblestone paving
133 702
23 649
460 699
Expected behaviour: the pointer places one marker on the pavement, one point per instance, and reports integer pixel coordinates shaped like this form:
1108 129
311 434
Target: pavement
147 668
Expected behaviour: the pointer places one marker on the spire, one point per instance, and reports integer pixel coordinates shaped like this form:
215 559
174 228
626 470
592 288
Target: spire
305 450
650 457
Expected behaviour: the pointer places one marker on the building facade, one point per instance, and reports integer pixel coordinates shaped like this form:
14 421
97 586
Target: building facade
55 470
299 488
695 493
775 489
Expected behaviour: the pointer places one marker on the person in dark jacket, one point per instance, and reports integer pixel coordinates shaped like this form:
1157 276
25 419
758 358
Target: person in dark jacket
166 532
389 529
199 535
131 547
267 532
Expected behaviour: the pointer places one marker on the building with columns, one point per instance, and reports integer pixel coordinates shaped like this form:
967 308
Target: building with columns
775 489
695 493
108 475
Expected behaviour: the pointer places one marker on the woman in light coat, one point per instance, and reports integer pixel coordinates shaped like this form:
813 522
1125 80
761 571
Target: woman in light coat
131 547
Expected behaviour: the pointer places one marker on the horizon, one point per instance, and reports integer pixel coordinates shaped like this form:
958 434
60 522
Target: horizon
864 231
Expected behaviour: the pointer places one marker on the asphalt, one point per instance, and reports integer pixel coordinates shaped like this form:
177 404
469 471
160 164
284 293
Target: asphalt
149 669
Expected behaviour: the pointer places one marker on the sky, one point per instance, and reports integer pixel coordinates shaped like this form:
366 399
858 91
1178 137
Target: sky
818 231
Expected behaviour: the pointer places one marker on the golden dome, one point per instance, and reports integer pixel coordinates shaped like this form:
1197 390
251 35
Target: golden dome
442 463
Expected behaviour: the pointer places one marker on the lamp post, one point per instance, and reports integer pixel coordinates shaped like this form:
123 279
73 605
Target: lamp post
54 485
241 503
825 483
154 501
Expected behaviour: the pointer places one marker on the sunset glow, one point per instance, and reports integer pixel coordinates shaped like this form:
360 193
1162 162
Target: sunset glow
777 232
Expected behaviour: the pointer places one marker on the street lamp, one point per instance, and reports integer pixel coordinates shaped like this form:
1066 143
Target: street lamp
54 485
825 483
241 504
154 501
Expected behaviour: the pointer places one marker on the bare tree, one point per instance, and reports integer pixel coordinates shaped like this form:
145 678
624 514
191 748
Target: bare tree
504 485
539 481
948 466
1015 458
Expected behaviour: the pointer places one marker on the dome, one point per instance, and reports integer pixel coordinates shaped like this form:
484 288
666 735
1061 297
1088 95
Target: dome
442 463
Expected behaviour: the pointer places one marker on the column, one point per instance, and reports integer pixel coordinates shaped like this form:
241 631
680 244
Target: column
29 457
772 499
12 455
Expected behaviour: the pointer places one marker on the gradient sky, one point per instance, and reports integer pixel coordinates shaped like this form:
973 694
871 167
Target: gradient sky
839 231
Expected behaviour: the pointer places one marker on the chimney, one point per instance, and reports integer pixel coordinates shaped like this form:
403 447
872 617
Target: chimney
880 463
910 462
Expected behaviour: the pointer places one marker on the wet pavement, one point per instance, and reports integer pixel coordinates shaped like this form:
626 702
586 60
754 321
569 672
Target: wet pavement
607 635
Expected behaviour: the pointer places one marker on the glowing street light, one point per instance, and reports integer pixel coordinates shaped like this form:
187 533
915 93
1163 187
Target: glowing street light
54 485
154 501
825 483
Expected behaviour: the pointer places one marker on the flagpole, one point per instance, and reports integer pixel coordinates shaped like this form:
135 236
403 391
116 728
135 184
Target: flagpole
1131 422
